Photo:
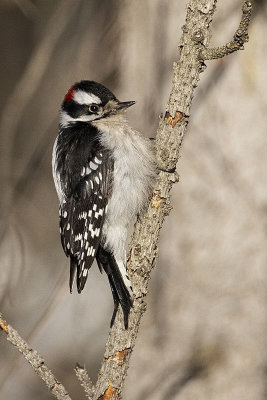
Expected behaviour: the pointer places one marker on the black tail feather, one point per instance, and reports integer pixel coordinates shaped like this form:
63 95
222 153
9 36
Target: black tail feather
120 292
72 272
115 299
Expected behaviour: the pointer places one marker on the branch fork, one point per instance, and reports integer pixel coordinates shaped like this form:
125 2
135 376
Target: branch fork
240 38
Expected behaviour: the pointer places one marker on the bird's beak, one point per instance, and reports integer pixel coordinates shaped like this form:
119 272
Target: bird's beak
125 104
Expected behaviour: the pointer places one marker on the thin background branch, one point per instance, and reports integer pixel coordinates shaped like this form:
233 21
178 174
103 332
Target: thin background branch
36 361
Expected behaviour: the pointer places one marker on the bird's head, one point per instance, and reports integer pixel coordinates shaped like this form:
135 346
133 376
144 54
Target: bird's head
89 101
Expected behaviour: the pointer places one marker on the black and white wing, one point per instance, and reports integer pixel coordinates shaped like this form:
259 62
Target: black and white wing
82 215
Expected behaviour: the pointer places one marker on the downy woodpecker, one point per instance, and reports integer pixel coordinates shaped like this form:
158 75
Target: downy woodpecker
103 172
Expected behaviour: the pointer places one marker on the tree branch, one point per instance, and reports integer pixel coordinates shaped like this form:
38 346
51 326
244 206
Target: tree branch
172 127
36 361
85 381
240 37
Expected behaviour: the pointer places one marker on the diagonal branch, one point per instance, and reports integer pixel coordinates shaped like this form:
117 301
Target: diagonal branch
240 37
36 361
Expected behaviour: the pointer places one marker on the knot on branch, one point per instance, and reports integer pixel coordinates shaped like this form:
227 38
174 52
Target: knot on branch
198 36
156 199
121 356
174 120
110 393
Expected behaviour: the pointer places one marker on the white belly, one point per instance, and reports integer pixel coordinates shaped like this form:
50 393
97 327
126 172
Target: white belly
134 172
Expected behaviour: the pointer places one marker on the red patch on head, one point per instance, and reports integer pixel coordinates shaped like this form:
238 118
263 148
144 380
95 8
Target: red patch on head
70 94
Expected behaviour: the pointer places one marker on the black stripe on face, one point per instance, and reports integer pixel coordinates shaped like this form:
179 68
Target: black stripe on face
74 109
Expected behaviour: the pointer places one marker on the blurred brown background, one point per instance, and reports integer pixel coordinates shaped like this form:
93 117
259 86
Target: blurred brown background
204 333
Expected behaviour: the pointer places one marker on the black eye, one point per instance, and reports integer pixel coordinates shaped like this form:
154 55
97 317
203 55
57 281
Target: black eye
94 108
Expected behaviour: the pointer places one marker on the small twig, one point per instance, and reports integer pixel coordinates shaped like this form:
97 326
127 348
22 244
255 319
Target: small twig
35 360
85 381
240 37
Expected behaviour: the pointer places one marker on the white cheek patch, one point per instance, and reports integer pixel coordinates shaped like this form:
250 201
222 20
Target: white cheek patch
64 118
82 97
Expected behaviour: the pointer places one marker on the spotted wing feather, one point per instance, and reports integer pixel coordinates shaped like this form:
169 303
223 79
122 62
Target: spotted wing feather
82 216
